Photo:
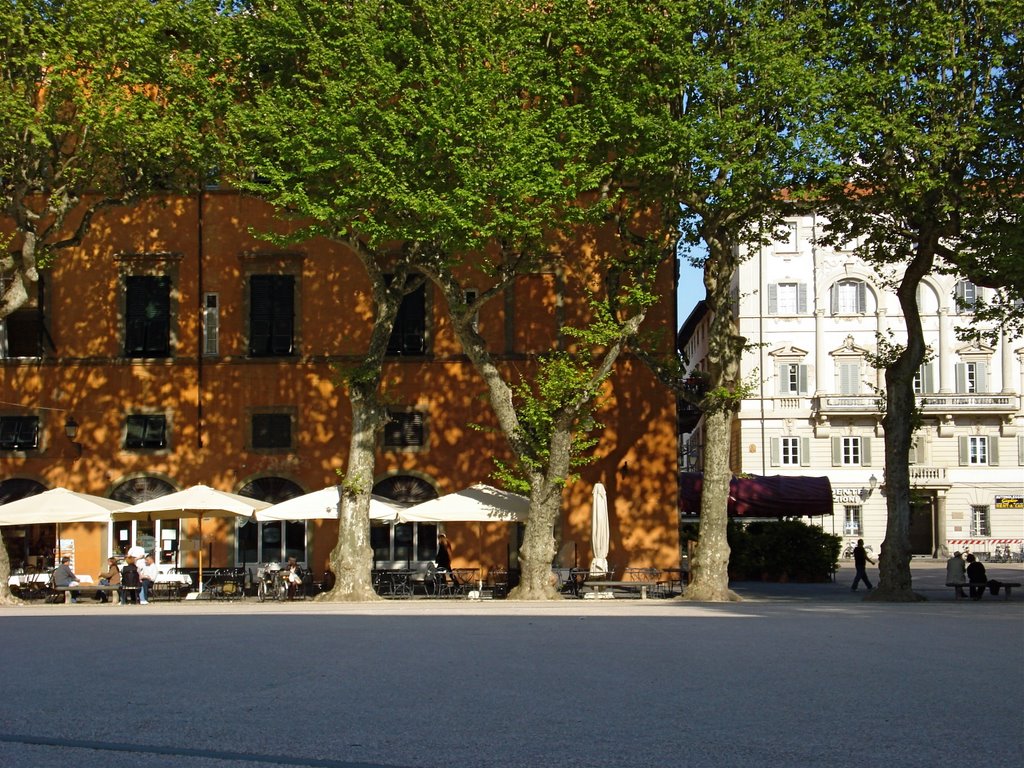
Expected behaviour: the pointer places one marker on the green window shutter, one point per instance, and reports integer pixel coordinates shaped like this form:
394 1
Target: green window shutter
805 451
801 298
837 451
865 451
964 449
993 450
773 299
802 379
775 449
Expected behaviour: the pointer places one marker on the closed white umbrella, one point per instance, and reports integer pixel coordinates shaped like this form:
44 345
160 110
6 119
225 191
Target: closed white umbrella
599 533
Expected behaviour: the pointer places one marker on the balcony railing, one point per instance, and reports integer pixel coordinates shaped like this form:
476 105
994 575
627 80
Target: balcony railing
932 403
923 474
973 402
848 404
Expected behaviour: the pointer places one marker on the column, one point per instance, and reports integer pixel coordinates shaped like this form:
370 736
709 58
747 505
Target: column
941 550
880 327
1006 356
820 357
946 375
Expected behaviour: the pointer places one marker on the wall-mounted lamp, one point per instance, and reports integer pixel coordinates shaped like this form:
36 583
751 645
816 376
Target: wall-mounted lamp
71 430
624 469
872 482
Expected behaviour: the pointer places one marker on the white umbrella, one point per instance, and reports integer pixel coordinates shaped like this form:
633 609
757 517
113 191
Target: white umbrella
199 501
58 505
599 534
323 505
478 503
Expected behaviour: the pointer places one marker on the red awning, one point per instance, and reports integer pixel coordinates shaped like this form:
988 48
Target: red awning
763 496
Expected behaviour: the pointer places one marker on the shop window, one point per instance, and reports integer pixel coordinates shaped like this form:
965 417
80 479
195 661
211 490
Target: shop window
980 520
853 520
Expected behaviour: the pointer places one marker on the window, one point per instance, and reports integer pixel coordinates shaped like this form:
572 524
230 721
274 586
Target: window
211 325
787 299
19 433
271 315
405 429
145 432
849 297
851 451
849 378
23 332
409 336
790 451
980 520
272 431
971 377
853 520
979 450
147 316
966 296
403 542
792 379
788 240
924 379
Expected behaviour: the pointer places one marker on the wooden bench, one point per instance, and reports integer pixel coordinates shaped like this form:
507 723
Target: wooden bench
597 586
84 589
959 587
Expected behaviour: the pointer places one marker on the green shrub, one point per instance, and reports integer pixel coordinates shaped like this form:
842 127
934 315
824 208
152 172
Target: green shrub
783 550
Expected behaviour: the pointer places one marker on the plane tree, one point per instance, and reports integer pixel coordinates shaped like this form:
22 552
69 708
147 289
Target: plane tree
101 103
924 130
432 140
708 106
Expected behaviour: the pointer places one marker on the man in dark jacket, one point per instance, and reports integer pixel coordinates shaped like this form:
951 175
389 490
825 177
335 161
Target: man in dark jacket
860 560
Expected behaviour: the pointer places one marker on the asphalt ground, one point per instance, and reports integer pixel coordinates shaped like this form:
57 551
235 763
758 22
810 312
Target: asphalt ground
795 675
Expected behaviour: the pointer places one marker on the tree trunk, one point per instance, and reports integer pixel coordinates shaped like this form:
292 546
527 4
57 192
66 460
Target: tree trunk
900 421
538 550
709 570
6 598
352 557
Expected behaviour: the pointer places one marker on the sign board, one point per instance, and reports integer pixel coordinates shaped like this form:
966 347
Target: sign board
1009 502
66 548
846 496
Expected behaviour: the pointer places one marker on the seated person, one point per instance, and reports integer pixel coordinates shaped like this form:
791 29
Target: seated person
295 578
147 575
976 576
110 577
131 582
63 576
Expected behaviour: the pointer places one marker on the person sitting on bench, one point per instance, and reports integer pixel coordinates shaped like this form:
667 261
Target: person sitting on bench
976 576
63 576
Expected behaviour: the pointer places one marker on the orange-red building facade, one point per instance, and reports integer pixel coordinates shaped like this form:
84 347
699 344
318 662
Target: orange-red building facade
245 399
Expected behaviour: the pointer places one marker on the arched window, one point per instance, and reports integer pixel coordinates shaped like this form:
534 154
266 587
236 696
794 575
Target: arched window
275 541
404 542
849 297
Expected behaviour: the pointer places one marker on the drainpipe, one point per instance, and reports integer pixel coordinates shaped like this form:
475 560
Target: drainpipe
199 319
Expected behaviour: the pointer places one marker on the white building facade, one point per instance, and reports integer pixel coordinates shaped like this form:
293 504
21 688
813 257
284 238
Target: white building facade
812 315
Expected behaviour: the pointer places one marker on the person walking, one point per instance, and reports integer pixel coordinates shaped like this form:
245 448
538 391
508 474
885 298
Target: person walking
860 560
